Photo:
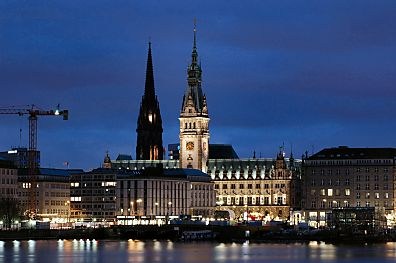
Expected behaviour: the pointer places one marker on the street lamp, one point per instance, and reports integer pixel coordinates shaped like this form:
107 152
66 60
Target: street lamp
132 212
167 213
156 208
137 206
67 204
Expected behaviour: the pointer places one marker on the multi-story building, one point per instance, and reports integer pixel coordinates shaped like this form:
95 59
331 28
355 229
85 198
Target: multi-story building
9 210
93 195
126 192
8 180
19 156
255 188
152 192
52 192
348 177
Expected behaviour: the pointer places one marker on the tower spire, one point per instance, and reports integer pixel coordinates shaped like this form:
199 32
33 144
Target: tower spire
194 118
195 34
149 91
149 124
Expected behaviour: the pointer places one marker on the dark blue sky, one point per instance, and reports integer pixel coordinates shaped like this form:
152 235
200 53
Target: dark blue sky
312 74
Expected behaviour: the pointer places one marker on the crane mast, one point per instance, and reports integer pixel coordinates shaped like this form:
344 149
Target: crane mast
33 112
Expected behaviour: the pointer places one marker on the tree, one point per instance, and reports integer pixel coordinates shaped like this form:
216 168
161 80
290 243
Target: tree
9 211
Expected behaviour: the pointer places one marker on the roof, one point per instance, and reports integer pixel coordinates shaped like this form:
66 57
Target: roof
124 157
222 151
53 171
193 175
6 163
344 152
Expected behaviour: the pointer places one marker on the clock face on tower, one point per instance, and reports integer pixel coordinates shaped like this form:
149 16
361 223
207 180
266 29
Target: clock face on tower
190 146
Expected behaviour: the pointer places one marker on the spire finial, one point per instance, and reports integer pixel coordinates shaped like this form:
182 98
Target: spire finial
195 33
149 85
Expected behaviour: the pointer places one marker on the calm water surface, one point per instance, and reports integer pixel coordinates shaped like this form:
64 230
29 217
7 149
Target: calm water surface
161 251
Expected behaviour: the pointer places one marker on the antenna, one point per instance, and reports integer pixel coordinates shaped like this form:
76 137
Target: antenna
20 137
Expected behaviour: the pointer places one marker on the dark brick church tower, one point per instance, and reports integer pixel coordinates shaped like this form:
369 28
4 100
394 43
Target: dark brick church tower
149 124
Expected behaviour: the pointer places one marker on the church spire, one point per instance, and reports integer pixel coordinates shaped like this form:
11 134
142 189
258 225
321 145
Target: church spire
149 91
149 124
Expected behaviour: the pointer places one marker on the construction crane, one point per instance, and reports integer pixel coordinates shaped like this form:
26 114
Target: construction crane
33 112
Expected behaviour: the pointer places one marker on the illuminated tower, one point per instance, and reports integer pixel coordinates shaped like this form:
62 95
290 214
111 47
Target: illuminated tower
194 119
149 124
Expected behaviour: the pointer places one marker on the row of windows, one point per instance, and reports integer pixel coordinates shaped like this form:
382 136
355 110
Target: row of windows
57 194
8 171
8 181
376 195
55 202
57 211
8 191
57 186
250 186
349 162
367 187
202 187
189 125
337 181
347 171
94 213
346 192
278 200
336 204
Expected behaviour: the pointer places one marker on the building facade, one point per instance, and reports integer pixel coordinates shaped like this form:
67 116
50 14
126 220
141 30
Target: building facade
19 156
149 124
348 177
194 119
93 196
52 192
149 191
256 188
8 180
152 193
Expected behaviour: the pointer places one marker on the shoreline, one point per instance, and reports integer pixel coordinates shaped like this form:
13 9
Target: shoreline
177 233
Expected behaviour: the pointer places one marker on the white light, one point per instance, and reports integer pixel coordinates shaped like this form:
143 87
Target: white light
57 112
12 151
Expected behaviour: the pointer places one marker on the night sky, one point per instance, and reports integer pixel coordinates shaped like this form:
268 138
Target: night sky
309 74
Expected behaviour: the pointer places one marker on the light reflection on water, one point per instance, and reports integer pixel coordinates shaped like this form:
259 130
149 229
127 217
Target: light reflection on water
55 251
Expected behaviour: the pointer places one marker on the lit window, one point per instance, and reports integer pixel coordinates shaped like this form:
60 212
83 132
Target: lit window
330 192
75 198
347 191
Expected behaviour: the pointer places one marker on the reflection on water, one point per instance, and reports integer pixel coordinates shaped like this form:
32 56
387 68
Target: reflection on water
166 251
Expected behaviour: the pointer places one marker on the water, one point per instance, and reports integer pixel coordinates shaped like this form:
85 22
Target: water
161 251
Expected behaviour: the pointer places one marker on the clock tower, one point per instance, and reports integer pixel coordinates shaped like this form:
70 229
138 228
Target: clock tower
194 119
